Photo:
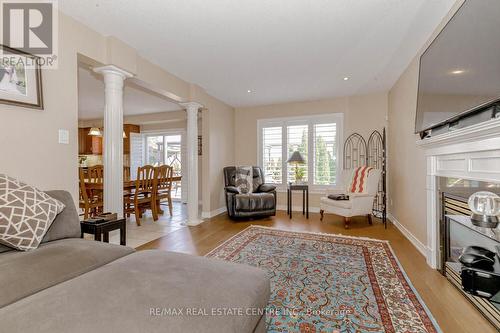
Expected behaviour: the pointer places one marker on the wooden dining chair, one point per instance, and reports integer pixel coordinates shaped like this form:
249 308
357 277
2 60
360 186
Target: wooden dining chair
90 203
163 192
143 196
95 174
126 173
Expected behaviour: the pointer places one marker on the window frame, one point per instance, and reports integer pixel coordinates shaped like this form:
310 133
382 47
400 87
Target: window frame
284 122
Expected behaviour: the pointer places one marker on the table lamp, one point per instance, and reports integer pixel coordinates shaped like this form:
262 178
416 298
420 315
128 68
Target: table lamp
297 159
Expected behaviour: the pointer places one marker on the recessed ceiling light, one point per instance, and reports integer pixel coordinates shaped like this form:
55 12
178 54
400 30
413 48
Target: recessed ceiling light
346 78
457 71
249 91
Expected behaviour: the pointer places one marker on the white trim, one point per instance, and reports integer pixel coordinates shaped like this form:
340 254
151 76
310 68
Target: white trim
414 240
213 213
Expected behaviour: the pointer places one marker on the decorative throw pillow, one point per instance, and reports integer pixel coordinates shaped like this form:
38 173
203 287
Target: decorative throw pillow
26 214
359 179
244 179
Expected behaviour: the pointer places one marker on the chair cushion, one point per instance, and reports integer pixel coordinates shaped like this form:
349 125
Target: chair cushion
25 273
135 287
26 213
254 202
346 204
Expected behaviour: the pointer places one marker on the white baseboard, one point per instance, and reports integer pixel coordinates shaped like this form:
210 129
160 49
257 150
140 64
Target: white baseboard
414 240
218 211
298 208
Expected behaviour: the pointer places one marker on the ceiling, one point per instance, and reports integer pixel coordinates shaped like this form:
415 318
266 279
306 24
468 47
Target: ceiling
136 100
280 50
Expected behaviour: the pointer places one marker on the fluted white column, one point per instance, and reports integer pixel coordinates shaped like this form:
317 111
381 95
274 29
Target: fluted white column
192 162
113 137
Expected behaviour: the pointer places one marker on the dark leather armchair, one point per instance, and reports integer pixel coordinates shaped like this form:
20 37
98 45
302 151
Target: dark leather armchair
260 203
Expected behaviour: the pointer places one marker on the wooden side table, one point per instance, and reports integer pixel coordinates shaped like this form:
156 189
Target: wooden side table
103 229
305 198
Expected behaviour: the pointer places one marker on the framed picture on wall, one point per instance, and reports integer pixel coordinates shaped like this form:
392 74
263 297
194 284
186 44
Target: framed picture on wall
20 79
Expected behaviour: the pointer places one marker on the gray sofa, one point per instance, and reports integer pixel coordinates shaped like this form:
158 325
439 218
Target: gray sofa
73 285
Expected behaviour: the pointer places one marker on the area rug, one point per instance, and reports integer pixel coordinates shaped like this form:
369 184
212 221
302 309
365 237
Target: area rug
330 283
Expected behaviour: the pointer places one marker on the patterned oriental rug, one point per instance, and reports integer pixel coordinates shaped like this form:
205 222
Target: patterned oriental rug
330 283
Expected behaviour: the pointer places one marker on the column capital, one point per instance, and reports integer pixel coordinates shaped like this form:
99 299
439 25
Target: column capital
112 69
191 105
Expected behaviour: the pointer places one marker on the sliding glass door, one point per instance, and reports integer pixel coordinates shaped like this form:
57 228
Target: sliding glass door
166 149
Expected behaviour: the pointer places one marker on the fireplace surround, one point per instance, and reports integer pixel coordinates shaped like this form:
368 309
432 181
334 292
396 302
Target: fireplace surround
468 153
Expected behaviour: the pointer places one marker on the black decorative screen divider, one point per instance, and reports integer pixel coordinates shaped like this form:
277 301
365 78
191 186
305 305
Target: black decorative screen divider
354 152
359 152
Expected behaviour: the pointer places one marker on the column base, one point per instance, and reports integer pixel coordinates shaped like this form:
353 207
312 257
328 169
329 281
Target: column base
192 222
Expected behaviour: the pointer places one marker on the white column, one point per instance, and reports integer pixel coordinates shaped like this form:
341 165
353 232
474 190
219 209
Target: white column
113 137
192 162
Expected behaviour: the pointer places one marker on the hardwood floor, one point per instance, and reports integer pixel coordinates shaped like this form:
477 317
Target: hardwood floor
452 311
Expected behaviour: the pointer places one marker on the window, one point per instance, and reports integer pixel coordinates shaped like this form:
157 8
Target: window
315 137
161 148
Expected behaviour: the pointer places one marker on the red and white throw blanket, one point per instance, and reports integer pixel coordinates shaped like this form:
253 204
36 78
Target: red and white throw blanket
359 178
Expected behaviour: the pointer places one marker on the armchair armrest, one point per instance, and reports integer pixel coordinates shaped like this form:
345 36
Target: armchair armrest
266 188
232 189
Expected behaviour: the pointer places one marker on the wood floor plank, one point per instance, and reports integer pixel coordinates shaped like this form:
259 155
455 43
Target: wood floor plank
452 311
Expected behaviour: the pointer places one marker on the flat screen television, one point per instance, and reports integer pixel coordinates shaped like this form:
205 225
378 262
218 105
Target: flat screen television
460 71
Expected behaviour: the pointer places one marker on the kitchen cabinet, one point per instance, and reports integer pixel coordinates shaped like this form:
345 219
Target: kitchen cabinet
93 145
129 128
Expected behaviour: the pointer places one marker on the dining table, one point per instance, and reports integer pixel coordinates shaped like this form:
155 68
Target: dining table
127 184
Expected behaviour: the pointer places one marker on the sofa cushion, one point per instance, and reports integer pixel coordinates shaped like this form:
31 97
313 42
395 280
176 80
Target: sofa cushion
346 204
134 293
26 214
25 273
67 223
254 202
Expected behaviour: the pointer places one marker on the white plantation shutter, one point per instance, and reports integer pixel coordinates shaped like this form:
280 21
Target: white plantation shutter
297 140
325 153
316 137
136 153
272 147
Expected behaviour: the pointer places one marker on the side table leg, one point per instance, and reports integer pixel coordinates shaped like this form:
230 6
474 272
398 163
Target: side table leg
303 202
97 234
291 207
307 203
287 202
123 235
106 237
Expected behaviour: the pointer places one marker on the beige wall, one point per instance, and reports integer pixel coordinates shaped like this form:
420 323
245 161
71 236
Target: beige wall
406 162
362 114
29 138
219 144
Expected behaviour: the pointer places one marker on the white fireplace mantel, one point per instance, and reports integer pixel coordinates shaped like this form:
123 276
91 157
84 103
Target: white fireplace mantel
470 153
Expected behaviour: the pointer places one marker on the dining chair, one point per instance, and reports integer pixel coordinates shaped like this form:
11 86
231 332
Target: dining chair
126 173
90 203
95 174
143 196
163 180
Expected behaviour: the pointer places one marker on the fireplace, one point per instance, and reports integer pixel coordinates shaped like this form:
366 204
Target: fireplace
457 232
469 159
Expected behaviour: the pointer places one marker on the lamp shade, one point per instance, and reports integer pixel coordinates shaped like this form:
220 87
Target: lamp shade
296 158
95 131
